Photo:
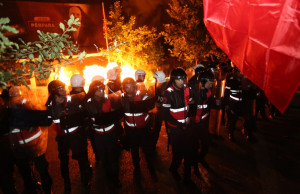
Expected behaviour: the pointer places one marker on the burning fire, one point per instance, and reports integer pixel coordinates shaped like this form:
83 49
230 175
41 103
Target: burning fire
90 71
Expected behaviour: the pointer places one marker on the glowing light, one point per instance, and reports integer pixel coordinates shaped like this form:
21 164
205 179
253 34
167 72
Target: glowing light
64 76
127 71
90 71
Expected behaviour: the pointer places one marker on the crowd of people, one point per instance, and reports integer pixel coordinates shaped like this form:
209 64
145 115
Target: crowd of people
120 115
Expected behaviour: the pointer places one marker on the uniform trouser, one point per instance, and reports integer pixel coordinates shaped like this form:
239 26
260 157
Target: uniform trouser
77 142
260 107
182 148
41 165
249 123
7 163
108 151
202 139
140 137
157 125
91 136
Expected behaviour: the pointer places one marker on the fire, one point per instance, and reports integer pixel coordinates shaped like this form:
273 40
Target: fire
90 71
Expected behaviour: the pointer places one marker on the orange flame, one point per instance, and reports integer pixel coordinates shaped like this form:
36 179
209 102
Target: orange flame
90 71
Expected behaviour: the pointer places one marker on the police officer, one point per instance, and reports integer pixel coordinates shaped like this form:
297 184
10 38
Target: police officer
106 129
77 84
160 87
137 123
203 100
28 140
238 96
198 69
260 106
67 113
175 110
8 160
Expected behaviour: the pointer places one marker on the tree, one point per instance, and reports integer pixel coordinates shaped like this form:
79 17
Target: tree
21 61
140 48
187 35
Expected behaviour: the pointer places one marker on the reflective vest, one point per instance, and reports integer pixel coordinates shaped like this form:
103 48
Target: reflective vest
56 122
202 112
26 137
233 90
137 120
103 129
178 110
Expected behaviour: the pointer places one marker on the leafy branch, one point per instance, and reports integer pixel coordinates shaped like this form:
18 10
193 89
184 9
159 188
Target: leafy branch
19 62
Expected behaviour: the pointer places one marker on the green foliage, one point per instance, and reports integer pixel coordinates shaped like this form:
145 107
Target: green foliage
21 61
187 34
140 48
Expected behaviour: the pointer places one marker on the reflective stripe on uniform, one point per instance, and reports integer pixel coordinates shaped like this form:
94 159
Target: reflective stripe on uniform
38 134
178 109
235 91
204 116
15 131
56 121
106 129
71 130
146 117
184 120
130 125
200 106
69 98
166 105
170 89
133 114
235 98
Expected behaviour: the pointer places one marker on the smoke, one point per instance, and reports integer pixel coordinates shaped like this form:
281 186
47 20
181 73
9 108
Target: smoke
148 12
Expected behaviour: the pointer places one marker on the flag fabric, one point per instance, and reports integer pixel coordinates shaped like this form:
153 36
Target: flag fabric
262 38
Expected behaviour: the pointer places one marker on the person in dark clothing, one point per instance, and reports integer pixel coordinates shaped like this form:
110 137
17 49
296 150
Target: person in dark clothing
137 123
77 84
239 96
261 101
107 130
200 116
68 113
8 160
175 110
28 140
160 87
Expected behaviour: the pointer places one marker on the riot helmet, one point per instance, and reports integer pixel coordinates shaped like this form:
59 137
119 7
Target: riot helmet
207 79
114 73
77 80
178 73
199 69
129 86
54 86
160 77
96 86
99 78
140 75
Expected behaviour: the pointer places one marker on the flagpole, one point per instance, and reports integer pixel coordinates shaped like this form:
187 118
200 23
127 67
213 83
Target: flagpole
105 28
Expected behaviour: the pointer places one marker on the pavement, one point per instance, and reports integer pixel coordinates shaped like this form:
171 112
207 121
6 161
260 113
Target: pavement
269 166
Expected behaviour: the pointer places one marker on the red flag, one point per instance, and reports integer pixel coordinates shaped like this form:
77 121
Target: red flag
262 38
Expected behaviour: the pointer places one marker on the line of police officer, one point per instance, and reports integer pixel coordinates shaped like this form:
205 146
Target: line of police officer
96 116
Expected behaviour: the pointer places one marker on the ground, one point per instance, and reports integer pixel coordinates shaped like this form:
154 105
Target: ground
271 165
